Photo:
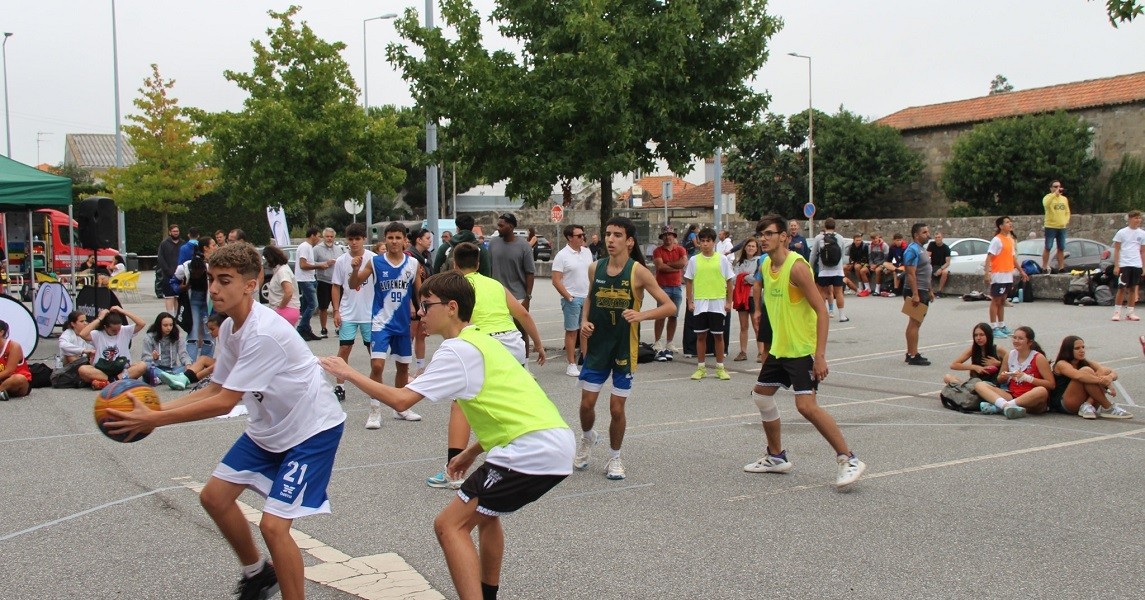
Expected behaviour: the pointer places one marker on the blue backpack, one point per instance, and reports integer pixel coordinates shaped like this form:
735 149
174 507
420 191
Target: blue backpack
1030 267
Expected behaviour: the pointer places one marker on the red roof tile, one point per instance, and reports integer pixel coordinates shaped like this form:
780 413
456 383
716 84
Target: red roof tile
1122 89
698 196
654 186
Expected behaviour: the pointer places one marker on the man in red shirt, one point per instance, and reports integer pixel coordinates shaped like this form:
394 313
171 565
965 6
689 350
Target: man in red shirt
670 259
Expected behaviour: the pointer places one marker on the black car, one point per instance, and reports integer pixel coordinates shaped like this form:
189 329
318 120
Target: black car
543 249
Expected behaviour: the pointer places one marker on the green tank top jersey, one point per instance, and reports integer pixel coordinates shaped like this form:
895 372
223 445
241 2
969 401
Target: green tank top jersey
793 321
490 309
510 403
708 282
615 342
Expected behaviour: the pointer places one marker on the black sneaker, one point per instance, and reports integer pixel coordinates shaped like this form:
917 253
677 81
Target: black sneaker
918 360
340 392
325 333
261 586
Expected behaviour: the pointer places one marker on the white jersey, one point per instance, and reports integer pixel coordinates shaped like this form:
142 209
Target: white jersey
111 348
393 288
1131 241
357 304
305 250
284 389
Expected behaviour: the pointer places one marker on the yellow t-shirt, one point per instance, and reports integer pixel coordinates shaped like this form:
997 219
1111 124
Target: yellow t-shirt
1057 211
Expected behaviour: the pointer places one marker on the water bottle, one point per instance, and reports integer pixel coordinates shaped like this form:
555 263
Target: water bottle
1021 295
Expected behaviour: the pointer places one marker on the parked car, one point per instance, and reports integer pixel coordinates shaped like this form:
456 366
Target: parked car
1080 254
543 249
967 255
291 257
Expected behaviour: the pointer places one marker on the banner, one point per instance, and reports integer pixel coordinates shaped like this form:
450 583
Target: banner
21 325
278 229
52 301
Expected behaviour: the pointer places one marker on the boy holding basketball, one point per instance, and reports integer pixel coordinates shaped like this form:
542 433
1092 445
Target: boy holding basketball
287 451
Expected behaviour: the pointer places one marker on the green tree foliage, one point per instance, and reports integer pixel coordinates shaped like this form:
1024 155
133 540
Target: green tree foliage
601 86
1125 188
1123 11
1000 85
168 173
855 162
301 139
1005 166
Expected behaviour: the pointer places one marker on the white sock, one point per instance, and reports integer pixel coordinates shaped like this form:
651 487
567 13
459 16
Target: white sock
613 453
375 403
1128 309
419 363
254 569
719 365
877 288
589 435
1000 403
841 315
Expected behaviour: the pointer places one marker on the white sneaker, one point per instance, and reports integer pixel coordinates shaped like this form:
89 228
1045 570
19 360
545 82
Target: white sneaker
770 464
407 415
1116 412
572 370
850 469
615 469
658 345
583 449
374 421
1087 412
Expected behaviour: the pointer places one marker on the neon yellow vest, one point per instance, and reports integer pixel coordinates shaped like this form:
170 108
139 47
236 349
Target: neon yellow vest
510 403
793 321
708 281
490 309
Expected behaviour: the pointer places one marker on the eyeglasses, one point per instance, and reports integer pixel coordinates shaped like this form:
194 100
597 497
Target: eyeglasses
425 305
770 233
579 235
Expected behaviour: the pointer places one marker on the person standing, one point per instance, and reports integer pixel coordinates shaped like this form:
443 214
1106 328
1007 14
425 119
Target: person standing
797 354
465 226
828 259
166 261
512 262
999 270
670 259
353 305
917 288
611 324
325 253
708 282
724 245
187 249
306 277
939 261
570 278
796 242
1128 257
1056 206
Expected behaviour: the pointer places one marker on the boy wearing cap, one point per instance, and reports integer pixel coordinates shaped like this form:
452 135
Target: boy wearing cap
670 259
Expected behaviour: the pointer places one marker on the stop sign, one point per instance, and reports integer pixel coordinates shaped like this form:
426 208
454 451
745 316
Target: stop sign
557 214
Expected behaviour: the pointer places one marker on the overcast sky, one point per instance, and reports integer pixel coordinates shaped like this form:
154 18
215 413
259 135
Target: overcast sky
873 56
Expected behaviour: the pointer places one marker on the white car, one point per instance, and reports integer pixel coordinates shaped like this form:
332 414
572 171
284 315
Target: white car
967 255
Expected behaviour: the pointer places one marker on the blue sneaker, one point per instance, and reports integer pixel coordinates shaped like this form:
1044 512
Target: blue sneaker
442 481
988 409
1014 412
1000 332
1006 331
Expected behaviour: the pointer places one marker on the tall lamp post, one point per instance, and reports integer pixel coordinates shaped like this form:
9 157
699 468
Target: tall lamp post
121 218
7 121
431 198
366 107
810 142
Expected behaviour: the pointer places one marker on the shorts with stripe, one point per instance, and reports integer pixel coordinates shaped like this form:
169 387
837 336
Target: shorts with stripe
795 373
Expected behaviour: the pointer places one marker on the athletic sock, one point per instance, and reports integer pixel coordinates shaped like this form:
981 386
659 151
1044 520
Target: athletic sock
419 363
254 569
831 306
877 288
1000 403
587 435
191 376
719 365
842 315
613 453
374 403
489 592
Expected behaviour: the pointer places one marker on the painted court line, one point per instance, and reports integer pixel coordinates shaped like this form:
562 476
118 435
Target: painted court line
376 577
86 512
949 463
611 490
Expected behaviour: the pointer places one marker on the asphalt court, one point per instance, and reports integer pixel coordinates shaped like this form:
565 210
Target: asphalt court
952 506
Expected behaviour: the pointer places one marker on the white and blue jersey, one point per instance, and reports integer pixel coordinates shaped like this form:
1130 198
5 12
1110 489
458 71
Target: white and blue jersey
393 285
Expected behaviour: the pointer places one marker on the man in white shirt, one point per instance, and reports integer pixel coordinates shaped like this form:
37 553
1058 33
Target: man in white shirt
570 278
724 245
305 276
353 307
1128 256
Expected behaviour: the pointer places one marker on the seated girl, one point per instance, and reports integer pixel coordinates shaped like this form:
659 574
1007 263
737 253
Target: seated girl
164 350
199 372
111 338
15 378
985 357
1082 384
1029 376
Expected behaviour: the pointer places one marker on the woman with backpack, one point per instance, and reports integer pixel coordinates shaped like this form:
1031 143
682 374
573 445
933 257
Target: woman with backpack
192 277
983 359
1030 379
1082 384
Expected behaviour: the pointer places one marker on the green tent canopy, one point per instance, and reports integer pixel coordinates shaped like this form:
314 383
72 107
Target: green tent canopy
22 186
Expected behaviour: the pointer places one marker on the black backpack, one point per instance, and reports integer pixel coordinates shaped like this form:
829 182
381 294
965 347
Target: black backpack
830 253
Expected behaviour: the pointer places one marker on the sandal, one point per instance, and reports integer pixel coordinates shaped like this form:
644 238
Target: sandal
742 356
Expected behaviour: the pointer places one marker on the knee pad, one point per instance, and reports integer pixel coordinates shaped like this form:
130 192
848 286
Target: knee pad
768 410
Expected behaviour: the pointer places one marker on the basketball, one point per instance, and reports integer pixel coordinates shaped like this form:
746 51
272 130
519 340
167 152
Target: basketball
118 396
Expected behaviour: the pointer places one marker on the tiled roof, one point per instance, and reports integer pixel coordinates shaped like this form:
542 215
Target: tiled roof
96 150
1122 89
698 196
654 186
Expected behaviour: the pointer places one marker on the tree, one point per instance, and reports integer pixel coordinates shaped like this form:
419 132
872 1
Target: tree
1122 11
855 162
169 172
607 86
301 139
1000 85
1005 166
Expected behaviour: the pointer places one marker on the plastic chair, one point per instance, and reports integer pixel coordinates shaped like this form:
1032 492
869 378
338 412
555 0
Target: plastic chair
130 284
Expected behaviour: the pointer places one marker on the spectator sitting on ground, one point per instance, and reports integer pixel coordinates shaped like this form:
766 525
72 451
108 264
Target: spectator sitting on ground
15 377
877 269
940 260
1082 384
1030 379
855 271
983 358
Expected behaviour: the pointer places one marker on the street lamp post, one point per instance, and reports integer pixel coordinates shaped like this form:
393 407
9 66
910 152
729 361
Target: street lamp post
7 121
810 142
431 198
120 217
366 108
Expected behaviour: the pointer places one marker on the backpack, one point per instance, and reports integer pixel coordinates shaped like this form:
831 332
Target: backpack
646 353
830 253
41 375
1079 285
1031 267
1103 295
448 264
960 396
68 376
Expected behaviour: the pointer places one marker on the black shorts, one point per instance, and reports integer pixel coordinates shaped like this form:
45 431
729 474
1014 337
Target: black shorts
709 321
765 334
1130 277
829 280
923 295
795 373
500 491
324 295
1000 290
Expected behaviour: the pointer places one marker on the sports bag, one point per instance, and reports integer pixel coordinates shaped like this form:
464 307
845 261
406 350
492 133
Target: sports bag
646 353
960 396
1103 295
68 376
830 253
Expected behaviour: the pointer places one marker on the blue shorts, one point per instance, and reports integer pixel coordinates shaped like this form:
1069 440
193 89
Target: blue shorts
293 482
384 344
592 380
348 331
572 312
676 293
1053 233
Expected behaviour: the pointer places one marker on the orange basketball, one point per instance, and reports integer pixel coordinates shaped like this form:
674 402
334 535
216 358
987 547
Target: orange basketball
118 396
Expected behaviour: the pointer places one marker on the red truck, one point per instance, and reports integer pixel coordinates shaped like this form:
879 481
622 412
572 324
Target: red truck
52 242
